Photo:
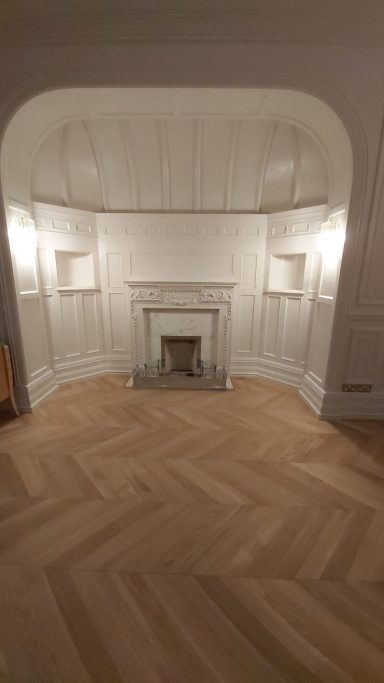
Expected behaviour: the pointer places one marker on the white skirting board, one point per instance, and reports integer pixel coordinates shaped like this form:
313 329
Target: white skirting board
68 372
22 398
259 367
341 405
327 405
312 393
29 396
37 390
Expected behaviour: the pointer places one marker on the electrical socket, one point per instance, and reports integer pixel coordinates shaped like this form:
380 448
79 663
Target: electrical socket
360 388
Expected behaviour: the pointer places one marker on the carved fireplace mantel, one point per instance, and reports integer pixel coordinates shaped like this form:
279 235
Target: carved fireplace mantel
181 296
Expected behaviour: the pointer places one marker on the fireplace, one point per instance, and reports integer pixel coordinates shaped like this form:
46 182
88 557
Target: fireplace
181 354
181 335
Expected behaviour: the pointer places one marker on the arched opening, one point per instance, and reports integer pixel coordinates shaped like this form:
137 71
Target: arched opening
107 186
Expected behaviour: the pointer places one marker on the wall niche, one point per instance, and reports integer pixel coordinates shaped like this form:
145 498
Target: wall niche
286 272
75 270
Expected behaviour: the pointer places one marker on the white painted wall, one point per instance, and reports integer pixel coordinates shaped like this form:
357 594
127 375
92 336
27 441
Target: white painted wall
293 264
88 313
70 282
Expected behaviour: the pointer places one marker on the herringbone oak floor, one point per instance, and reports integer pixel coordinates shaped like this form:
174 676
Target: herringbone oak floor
172 536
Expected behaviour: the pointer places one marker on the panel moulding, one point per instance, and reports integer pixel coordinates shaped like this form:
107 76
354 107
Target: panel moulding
363 356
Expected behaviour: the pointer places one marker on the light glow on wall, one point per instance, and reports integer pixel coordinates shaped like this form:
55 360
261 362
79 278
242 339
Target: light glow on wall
331 242
22 238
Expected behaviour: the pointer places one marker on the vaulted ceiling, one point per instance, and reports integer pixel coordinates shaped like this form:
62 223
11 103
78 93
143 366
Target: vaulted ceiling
176 149
178 163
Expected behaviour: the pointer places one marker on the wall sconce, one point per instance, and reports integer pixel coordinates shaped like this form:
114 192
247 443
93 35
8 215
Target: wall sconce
331 242
22 237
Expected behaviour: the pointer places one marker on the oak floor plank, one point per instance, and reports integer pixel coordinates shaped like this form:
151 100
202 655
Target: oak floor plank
174 536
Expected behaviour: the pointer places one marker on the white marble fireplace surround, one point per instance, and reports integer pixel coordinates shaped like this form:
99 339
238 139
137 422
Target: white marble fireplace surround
180 308
188 322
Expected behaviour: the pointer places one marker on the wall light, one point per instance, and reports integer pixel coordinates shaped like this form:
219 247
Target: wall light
331 242
22 238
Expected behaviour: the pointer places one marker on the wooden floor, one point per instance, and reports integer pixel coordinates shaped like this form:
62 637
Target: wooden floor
189 537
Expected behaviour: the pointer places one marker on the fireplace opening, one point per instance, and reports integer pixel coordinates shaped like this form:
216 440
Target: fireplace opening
180 354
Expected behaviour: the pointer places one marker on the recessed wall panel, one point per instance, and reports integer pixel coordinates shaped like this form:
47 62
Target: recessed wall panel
271 325
45 269
33 335
245 337
315 272
61 225
248 271
321 338
53 326
91 323
115 270
306 329
290 349
185 267
117 312
363 356
26 272
71 335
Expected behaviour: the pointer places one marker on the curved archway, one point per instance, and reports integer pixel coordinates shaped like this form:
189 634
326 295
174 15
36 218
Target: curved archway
29 127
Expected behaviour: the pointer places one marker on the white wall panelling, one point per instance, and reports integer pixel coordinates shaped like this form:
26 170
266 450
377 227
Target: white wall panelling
32 324
65 220
69 271
271 331
246 323
291 346
39 379
70 324
320 339
188 247
282 301
324 277
271 320
118 320
291 282
364 362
